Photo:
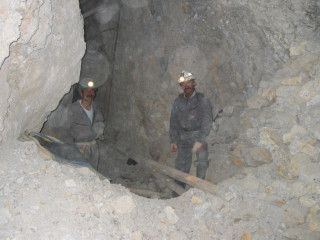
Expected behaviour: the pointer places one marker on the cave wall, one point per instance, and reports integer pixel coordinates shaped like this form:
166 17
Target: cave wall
100 32
237 50
269 125
42 44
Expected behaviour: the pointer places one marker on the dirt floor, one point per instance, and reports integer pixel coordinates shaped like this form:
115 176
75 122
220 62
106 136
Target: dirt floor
43 199
130 172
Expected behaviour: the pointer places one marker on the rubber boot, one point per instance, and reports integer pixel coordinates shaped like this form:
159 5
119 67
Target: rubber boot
201 172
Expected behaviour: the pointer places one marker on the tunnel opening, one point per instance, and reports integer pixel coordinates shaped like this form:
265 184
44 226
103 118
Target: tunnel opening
117 161
123 56
136 69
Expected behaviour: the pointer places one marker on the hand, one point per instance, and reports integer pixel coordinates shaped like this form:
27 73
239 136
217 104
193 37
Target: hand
98 128
196 147
174 147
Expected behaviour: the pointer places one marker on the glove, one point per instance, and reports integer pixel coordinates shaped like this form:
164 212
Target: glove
196 147
174 147
98 128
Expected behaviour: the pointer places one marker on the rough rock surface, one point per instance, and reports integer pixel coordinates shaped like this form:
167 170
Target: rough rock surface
259 62
41 48
240 51
42 199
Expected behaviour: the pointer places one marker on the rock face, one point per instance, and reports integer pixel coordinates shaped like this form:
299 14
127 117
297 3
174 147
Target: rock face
255 61
41 49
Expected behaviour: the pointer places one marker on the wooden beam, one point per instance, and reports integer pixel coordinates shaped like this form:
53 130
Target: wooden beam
169 182
145 193
180 176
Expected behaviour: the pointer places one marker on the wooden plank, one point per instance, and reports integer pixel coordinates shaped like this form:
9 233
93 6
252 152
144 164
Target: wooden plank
169 182
180 176
145 193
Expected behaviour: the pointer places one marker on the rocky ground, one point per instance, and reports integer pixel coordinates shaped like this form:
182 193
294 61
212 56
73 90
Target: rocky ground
43 199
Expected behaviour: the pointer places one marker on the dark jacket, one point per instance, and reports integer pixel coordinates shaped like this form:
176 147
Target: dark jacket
190 118
79 127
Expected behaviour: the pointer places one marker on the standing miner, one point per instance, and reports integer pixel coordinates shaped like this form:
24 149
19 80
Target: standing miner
190 123
85 123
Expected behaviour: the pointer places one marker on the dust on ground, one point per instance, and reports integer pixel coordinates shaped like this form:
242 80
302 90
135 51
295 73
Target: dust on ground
43 199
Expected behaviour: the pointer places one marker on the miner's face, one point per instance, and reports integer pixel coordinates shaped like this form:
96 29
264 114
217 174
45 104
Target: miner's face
87 94
188 87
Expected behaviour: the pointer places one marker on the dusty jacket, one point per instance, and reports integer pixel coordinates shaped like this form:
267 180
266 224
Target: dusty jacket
190 117
79 127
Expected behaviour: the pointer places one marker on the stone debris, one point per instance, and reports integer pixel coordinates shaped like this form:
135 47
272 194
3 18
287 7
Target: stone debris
70 183
170 214
63 203
124 204
258 61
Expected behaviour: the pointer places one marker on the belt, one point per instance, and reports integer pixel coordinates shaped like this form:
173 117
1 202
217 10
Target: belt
86 143
185 135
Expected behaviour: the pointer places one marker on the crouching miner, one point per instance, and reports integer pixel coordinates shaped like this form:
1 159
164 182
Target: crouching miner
190 123
85 123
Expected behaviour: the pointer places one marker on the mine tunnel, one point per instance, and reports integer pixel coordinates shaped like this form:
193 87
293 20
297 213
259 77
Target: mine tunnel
138 82
257 62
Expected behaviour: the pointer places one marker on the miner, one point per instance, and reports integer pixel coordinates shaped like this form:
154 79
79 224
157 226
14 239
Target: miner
190 123
85 122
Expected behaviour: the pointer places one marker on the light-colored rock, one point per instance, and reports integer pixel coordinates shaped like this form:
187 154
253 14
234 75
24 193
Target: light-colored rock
301 189
124 204
313 218
255 156
314 101
303 144
309 200
308 91
178 235
5 213
250 183
309 171
266 140
171 215
70 183
246 236
293 214
35 64
300 233
196 199
292 81
86 171
137 236
298 49
216 203
256 101
295 130
230 195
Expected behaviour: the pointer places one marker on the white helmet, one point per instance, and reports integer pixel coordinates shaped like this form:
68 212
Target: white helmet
86 83
185 76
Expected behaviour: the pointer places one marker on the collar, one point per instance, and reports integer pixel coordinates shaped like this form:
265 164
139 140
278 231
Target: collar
192 95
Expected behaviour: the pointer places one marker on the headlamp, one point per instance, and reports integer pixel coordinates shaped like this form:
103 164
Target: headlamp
181 79
90 84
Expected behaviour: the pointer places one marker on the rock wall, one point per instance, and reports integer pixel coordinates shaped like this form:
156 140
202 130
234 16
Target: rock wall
236 49
100 25
259 62
41 50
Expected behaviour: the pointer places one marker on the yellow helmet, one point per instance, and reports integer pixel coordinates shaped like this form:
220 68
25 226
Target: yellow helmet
185 76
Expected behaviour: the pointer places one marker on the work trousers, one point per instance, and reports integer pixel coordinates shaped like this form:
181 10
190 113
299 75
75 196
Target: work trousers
90 151
184 158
